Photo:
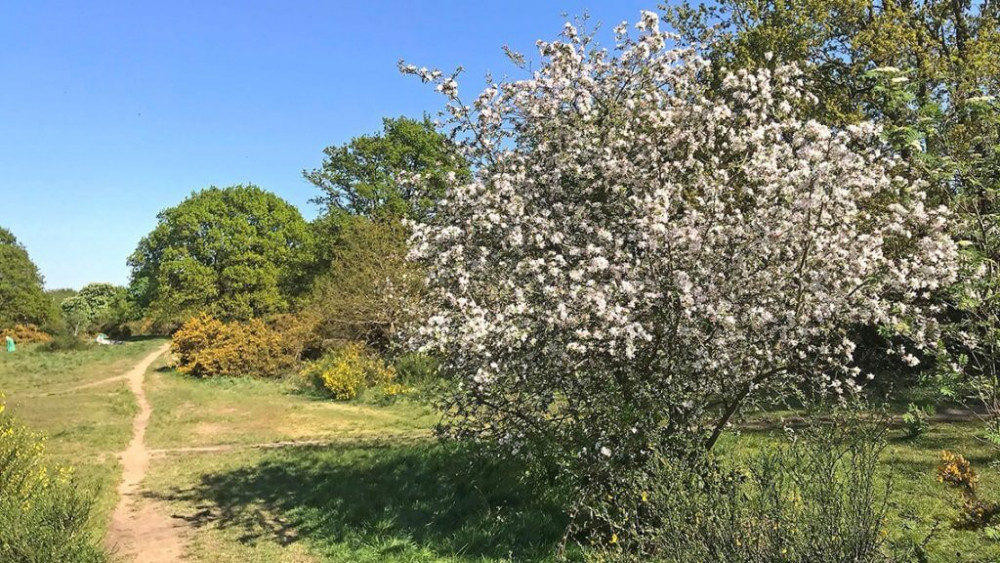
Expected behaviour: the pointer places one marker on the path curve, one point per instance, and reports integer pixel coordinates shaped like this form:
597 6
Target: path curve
139 531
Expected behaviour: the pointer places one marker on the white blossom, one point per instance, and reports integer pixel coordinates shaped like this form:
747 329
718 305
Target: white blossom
634 247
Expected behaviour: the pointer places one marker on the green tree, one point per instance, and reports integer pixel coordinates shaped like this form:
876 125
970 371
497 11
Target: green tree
22 297
374 175
370 290
235 253
95 304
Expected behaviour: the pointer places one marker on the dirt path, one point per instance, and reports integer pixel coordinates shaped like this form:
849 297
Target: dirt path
139 531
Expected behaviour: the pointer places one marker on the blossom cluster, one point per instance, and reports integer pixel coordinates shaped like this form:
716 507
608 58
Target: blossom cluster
639 253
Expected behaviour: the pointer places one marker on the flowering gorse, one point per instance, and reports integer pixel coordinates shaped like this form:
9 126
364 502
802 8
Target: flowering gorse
640 255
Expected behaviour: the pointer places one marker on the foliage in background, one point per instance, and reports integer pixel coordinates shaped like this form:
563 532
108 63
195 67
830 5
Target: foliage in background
398 173
345 371
236 253
66 342
207 347
22 299
25 334
415 368
95 305
44 516
916 419
940 52
371 290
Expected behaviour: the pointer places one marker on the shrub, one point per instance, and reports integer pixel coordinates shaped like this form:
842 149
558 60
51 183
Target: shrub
347 370
957 472
815 497
208 347
916 420
25 334
44 516
415 368
630 262
65 342
371 290
148 327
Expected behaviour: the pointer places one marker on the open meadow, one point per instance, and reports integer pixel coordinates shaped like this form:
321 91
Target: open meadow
260 470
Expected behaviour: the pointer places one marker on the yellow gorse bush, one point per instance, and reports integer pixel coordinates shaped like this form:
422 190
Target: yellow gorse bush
208 347
25 334
956 471
44 515
22 473
345 371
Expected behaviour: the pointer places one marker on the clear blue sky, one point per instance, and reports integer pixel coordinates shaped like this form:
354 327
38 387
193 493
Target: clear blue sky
112 111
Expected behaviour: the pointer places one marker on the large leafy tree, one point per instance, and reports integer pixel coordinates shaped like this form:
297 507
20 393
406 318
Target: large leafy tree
640 257
236 253
384 178
370 290
22 297
925 70
378 175
945 48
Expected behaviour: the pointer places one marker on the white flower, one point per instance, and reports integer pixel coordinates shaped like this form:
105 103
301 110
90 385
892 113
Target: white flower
695 246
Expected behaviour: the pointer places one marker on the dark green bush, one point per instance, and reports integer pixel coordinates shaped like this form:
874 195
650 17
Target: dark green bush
64 342
414 368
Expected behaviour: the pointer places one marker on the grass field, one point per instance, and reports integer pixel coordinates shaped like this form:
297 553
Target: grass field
85 428
373 485
192 412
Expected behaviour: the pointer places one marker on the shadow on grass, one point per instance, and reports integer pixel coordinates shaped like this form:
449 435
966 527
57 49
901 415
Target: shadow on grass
445 499
146 338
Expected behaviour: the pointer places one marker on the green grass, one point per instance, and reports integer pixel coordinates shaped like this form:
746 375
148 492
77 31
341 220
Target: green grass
85 429
386 492
203 412
381 502
382 489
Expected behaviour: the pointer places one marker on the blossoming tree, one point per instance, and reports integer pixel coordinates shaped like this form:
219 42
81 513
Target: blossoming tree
640 256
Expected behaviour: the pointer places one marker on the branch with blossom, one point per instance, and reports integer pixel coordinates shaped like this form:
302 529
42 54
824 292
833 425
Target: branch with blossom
641 257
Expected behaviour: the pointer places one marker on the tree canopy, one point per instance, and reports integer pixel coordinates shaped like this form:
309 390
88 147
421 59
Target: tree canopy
235 253
377 175
925 69
633 263
370 290
95 304
22 297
